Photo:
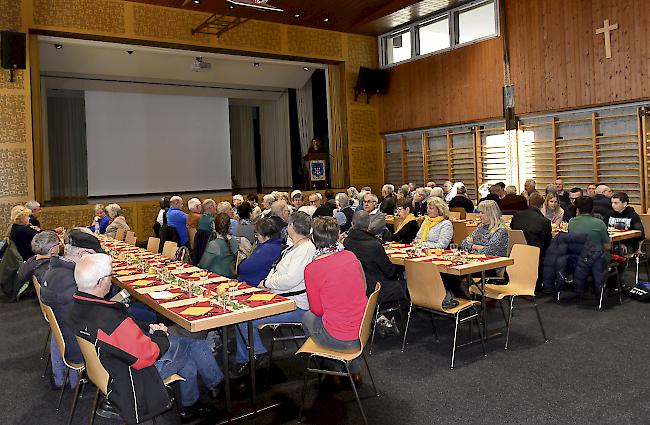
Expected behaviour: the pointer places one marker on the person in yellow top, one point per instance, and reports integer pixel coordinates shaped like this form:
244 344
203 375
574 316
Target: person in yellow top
408 228
436 230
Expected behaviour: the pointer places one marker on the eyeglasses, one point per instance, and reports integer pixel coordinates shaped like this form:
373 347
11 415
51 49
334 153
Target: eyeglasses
313 202
112 275
370 202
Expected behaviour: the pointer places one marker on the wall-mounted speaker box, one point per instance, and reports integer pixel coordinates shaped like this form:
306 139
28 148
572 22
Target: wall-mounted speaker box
372 81
13 50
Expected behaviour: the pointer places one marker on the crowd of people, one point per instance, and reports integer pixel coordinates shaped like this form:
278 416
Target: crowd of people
325 252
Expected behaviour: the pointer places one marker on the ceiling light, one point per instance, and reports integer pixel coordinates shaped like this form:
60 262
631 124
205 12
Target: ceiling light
326 20
306 68
296 15
197 1
58 46
231 7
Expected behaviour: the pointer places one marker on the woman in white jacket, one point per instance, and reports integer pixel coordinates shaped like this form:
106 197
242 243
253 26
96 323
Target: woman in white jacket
286 278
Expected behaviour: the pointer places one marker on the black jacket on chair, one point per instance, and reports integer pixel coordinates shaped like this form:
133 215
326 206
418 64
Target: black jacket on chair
536 228
602 207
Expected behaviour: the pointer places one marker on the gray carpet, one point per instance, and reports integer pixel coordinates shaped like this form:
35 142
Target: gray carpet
593 370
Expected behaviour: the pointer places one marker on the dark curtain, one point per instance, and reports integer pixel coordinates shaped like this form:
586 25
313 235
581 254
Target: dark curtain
321 114
294 134
66 129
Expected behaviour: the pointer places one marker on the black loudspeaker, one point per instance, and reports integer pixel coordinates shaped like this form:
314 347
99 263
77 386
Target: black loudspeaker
371 81
13 50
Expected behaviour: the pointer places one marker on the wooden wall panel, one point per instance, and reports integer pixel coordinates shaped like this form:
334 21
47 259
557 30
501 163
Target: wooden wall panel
558 61
454 87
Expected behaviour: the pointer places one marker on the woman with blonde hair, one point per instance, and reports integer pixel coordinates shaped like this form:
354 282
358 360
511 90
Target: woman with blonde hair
552 209
491 236
118 221
21 232
436 230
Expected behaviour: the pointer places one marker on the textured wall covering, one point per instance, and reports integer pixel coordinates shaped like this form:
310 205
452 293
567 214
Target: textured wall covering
93 15
10 14
307 41
254 35
19 79
13 121
13 173
163 23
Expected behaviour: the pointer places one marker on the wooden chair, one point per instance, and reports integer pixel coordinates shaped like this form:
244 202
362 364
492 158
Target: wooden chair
153 245
523 276
120 235
169 249
507 218
79 367
191 233
316 351
472 216
459 210
130 238
515 237
37 288
637 208
427 292
460 232
100 377
454 215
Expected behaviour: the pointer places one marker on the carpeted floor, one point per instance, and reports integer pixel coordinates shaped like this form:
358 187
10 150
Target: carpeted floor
593 370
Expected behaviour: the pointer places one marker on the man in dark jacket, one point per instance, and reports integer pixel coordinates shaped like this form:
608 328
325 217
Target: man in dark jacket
624 217
137 360
44 245
562 195
327 208
344 212
387 203
536 227
512 202
461 200
602 202
570 211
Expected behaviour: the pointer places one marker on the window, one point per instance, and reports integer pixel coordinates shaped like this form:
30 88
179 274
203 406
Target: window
433 36
398 47
476 23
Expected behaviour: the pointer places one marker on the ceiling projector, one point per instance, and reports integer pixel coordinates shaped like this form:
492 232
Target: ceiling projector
199 65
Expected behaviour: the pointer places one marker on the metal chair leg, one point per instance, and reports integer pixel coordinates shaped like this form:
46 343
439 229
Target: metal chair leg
512 306
47 364
47 342
503 311
372 380
75 397
408 320
304 390
356 394
453 350
65 383
480 330
602 293
539 319
268 368
620 288
374 327
435 330
176 406
93 409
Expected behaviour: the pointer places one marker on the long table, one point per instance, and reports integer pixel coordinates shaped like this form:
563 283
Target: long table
195 299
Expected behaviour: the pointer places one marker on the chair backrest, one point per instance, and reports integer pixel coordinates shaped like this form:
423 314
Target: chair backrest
472 216
460 231
506 218
153 245
37 288
637 208
425 284
366 323
460 210
455 215
515 237
58 337
121 233
191 233
169 249
94 368
130 238
645 219
523 273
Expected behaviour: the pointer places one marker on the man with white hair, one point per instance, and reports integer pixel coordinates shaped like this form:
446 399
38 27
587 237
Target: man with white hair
194 205
138 360
387 204
177 219
225 208
377 218
314 203
206 223
431 184
562 195
36 209
280 216
344 212
602 202
267 201
446 187
420 202
529 188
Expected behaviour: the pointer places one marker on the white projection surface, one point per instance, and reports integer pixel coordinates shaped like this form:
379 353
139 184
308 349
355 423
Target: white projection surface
150 143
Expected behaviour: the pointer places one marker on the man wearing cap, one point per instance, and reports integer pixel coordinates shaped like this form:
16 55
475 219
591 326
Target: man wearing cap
296 200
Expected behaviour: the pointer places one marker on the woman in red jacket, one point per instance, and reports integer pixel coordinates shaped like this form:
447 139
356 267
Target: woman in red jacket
336 290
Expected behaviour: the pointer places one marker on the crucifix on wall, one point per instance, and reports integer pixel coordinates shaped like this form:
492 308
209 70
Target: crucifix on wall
607 31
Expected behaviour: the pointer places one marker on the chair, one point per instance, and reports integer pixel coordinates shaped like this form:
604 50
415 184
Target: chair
460 232
637 208
506 218
316 351
427 292
130 238
515 237
120 235
37 288
276 329
169 249
522 279
191 233
472 216
454 215
153 245
79 367
100 377
459 210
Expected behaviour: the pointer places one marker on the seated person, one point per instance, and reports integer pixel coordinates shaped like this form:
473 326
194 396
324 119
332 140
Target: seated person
336 290
280 215
343 212
376 264
602 202
44 245
420 202
21 232
512 202
268 250
314 203
206 222
137 361
570 210
246 226
101 220
117 220
461 200
221 251
225 208
177 219
408 228
552 209
36 210
194 206
491 236
585 223
436 230
387 204
624 217
377 218
286 278
536 227
296 200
